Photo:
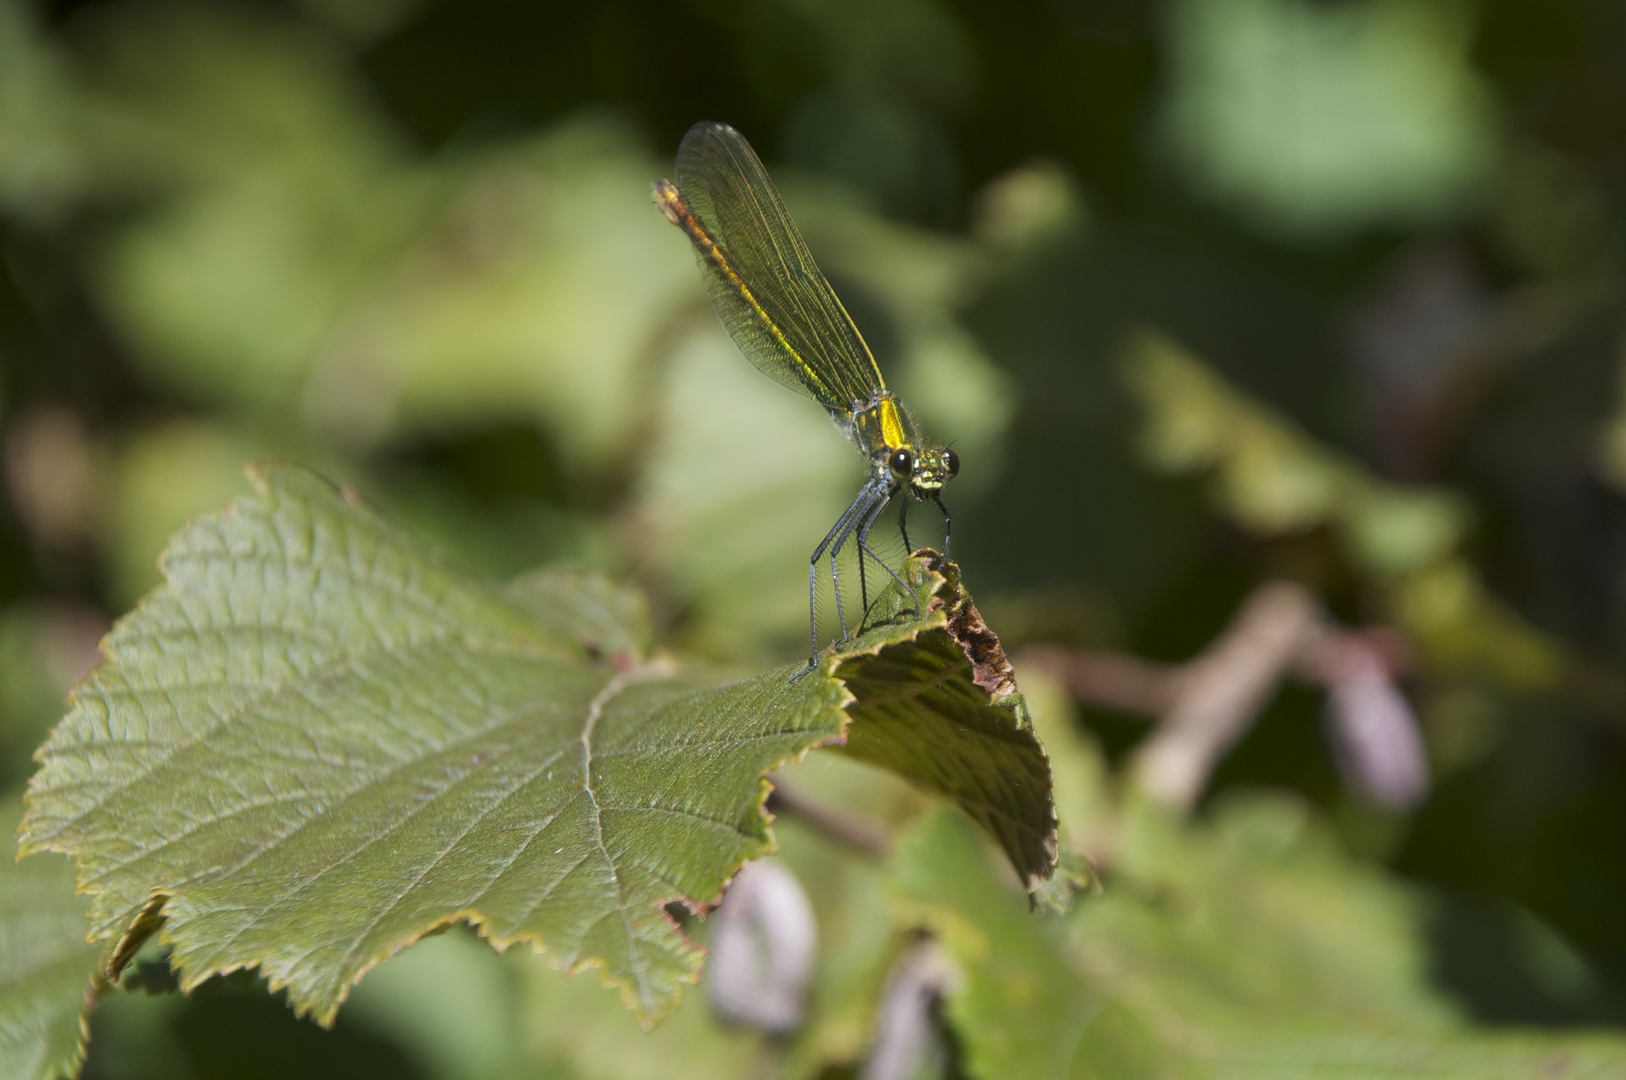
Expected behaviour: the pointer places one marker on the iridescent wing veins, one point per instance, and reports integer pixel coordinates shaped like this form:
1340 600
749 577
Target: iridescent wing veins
777 306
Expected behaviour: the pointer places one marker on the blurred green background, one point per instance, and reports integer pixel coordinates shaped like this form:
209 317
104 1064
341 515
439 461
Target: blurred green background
1205 292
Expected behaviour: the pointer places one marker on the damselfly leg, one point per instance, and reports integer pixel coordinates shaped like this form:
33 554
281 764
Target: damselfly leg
855 522
865 549
833 542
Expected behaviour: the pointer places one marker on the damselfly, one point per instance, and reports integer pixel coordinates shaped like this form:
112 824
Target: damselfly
786 319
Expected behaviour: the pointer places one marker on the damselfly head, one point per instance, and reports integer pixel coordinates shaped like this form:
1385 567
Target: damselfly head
924 470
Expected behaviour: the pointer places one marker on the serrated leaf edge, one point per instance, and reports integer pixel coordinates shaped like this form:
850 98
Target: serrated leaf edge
150 920
991 668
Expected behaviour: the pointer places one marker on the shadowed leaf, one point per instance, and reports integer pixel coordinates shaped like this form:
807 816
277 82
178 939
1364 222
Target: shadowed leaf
46 969
1246 949
939 706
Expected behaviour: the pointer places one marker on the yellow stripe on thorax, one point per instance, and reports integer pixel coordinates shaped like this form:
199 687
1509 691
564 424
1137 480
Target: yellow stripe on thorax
891 425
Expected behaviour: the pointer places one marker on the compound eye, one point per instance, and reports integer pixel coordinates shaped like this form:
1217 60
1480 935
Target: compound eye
902 462
951 463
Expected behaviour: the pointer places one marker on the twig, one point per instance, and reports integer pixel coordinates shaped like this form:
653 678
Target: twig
843 829
1217 695
1206 705
1108 679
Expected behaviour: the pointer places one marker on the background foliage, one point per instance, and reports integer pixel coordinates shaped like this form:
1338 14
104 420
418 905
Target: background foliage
1208 292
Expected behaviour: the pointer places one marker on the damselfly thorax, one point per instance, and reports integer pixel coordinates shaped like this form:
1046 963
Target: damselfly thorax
887 435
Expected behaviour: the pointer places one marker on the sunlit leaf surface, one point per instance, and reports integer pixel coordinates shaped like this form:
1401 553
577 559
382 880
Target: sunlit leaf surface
318 741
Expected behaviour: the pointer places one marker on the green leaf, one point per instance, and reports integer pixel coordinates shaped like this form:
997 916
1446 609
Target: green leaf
1359 1055
939 707
1023 1002
1244 948
318 741
46 968
1313 119
1272 478
571 1030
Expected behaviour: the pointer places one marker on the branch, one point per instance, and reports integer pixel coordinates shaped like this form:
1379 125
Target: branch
842 828
1207 704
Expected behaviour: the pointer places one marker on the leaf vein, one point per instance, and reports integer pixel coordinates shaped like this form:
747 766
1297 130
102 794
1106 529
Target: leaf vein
616 684
244 710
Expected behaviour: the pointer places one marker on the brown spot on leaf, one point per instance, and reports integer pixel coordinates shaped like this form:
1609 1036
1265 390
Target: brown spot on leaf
989 667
